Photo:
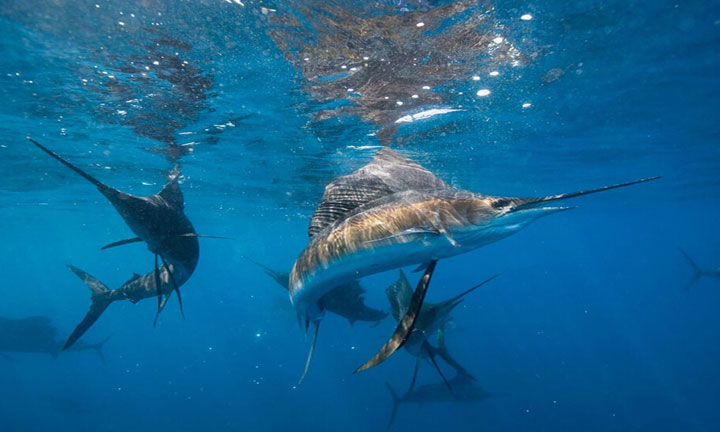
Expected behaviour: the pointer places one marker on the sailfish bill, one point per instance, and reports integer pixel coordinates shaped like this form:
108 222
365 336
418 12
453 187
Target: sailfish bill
406 324
458 297
528 203
85 175
138 239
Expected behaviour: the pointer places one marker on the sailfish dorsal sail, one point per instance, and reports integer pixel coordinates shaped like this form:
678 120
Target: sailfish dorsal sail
389 172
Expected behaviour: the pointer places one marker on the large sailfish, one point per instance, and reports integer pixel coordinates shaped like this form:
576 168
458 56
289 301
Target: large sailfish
393 213
158 220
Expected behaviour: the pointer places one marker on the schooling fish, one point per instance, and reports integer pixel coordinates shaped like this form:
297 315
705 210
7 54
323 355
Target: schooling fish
159 221
393 213
432 319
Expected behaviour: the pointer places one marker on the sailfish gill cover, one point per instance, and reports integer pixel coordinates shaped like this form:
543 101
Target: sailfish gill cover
222 138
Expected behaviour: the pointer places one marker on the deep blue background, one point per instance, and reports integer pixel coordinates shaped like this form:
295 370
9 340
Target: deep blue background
588 328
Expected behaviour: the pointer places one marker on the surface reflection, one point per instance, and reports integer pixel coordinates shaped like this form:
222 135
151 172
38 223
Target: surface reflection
383 62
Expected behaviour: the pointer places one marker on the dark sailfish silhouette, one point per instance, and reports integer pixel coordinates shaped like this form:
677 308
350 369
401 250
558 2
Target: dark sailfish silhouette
37 334
465 391
346 301
393 213
159 221
432 320
699 272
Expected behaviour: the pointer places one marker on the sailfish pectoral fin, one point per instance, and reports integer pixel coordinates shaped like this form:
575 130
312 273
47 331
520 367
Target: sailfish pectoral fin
406 324
448 235
158 283
205 236
440 227
163 303
158 287
405 234
310 354
121 242
176 288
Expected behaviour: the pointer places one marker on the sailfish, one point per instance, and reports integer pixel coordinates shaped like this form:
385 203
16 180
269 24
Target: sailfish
393 213
347 301
158 220
433 318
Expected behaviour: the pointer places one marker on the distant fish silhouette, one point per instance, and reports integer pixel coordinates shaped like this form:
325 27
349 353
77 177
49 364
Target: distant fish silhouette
699 272
37 334
465 391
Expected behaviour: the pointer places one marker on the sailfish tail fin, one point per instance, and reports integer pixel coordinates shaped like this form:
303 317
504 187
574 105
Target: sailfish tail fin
281 278
697 271
100 301
98 347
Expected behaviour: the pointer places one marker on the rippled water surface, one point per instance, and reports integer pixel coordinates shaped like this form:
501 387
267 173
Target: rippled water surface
260 104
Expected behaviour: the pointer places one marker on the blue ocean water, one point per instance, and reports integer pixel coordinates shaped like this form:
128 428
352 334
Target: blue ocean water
589 326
